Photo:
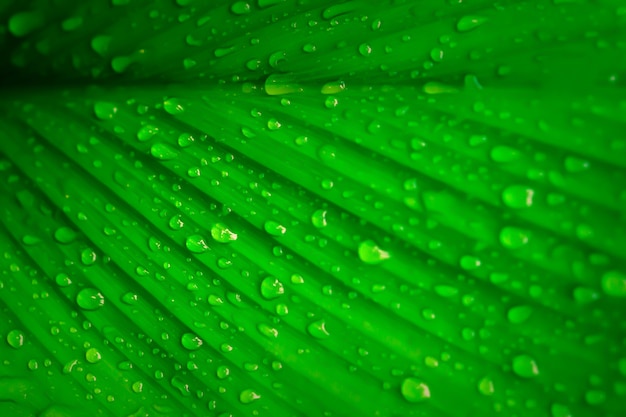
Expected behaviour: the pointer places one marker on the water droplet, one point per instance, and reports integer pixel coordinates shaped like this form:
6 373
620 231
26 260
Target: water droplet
191 341
267 331
15 339
23 23
559 410
273 124
436 54
100 44
173 106
467 23
504 154
280 84
88 256
147 132
93 355
185 140
247 396
63 280
90 299
222 372
120 63
334 87
470 263
446 290
271 288
371 254
317 329
72 23
518 196
30 240
274 228
221 233
64 235
595 397
485 386
163 152
104 110
196 244
574 165
240 7
513 237
519 314
525 366
365 49
319 218
414 390
614 283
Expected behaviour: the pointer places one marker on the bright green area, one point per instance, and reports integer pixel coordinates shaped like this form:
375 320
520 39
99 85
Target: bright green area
313 208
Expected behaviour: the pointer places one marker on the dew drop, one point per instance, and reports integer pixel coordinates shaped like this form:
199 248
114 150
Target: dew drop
221 233
271 288
519 314
485 386
88 256
513 237
318 218
559 410
414 390
614 283
23 23
15 339
274 228
504 154
467 23
64 235
173 106
147 132
196 244
525 366
518 196
371 254
191 341
104 110
185 140
247 396
317 329
163 152
240 7
90 299
93 355
273 124
365 49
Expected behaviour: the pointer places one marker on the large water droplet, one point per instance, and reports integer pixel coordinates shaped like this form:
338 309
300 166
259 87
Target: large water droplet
415 390
196 244
191 341
525 366
90 299
64 235
163 152
15 339
485 386
519 314
513 237
221 233
247 396
319 218
271 288
93 355
274 228
104 110
370 253
317 329
518 196
88 256
173 106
